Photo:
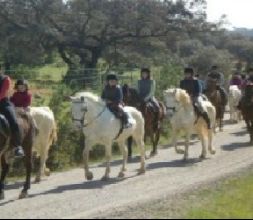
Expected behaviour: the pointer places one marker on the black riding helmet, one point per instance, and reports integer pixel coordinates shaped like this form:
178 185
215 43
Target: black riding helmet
189 70
22 82
112 77
146 70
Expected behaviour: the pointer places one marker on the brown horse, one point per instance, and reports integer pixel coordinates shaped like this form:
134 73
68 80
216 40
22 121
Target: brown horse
153 125
215 97
6 150
246 107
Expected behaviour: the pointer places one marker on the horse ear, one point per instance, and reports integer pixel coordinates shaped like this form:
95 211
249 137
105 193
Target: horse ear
69 98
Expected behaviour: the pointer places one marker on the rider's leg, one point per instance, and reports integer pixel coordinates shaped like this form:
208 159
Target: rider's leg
9 112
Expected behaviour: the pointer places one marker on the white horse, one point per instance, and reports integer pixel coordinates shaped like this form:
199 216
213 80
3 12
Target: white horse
235 95
100 126
184 121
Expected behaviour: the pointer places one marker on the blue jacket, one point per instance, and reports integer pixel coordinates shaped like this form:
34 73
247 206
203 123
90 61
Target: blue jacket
192 87
113 94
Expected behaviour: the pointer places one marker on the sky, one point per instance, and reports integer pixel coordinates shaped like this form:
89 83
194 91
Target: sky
239 12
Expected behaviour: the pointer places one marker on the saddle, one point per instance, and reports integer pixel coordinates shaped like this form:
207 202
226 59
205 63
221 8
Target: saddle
4 126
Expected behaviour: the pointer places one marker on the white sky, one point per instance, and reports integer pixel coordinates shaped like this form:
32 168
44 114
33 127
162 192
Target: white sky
239 12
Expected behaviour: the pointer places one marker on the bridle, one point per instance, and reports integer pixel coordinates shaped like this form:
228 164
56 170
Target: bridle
82 120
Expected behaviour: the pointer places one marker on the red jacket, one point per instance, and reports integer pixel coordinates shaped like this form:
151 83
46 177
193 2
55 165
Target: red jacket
21 99
5 88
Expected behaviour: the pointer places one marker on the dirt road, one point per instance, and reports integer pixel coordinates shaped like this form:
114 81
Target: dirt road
68 195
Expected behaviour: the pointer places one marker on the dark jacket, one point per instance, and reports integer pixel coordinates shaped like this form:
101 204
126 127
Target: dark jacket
191 86
113 94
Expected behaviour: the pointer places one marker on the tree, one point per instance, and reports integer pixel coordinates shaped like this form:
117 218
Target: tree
84 31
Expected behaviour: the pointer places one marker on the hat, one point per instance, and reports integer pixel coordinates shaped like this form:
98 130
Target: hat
189 70
112 77
22 82
145 70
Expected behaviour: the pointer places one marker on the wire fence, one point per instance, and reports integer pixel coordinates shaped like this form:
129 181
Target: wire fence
79 78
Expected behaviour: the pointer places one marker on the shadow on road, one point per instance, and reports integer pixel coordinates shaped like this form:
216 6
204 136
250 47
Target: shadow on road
236 146
98 184
240 133
174 164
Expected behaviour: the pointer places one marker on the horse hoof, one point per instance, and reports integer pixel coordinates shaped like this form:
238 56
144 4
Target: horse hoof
141 172
89 176
180 151
2 196
121 175
37 180
23 195
203 157
153 153
47 172
213 152
105 179
185 159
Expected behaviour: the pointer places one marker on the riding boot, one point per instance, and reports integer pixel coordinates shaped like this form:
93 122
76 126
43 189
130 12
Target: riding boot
18 149
207 119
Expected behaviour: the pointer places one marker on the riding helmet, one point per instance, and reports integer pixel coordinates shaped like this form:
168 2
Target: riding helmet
112 77
22 82
189 70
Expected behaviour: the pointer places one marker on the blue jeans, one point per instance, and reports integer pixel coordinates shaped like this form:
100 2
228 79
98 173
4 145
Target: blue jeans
8 111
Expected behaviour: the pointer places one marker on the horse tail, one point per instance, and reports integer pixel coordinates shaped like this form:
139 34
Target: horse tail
162 110
54 136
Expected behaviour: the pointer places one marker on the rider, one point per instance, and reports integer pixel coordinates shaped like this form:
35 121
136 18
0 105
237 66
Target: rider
146 90
22 98
8 111
193 87
112 95
216 75
237 80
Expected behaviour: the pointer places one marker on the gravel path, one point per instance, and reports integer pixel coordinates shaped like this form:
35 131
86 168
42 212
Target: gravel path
67 195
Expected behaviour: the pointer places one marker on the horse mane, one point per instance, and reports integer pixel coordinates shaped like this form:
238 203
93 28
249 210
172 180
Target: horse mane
183 97
90 96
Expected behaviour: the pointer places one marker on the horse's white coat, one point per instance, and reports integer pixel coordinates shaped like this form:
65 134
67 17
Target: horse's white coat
184 121
235 95
102 128
46 124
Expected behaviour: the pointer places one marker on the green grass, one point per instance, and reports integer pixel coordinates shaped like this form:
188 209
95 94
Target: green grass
234 199
51 72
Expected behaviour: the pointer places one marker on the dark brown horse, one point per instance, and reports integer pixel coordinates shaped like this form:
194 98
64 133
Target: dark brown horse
153 125
6 150
215 97
246 107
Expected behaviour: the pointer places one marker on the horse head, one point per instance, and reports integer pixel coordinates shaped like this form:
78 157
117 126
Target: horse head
174 99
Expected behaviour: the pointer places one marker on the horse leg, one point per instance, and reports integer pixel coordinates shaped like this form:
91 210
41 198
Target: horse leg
154 151
141 146
174 142
204 147
212 150
187 144
86 156
156 142
42 168
108 155
4 172
130 147
125 155
28 165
